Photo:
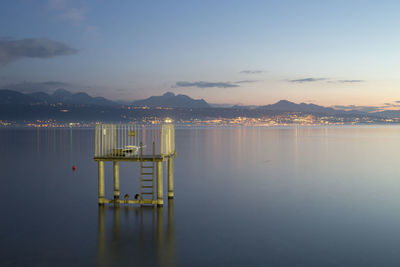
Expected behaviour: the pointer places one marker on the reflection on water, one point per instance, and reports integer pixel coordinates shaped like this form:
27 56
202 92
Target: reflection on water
318 196
136 235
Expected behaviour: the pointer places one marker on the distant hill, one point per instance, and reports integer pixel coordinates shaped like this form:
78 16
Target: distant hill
388 113
287 106
213 105
59 96
245 107
171 100
9 97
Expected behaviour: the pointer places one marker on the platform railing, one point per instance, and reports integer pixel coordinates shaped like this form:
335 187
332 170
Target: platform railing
168 139
123 140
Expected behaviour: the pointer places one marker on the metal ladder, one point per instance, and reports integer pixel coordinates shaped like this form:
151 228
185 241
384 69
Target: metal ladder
147 176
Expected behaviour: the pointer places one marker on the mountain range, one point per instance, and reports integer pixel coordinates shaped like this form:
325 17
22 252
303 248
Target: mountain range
10 97
64 97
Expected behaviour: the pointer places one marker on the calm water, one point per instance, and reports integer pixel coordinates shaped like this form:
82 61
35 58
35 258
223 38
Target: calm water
243 197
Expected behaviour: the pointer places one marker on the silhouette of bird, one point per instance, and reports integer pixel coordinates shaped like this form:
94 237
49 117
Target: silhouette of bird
137 196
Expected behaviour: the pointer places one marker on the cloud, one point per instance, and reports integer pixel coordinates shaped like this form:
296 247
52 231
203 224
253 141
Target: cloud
385 106
66 12
307 80
12 50
73 12
358 108
350 81
310 80
395 104
202 84
246 81
30 87
251 71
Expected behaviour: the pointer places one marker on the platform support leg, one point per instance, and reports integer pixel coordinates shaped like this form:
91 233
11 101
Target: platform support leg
116 180
101 182
160 200
170 178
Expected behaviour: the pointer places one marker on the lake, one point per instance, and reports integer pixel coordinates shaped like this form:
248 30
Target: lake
297 196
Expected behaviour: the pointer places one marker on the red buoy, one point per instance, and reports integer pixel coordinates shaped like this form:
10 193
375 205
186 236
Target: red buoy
73 167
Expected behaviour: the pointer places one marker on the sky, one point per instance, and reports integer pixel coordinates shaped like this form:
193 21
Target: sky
332 53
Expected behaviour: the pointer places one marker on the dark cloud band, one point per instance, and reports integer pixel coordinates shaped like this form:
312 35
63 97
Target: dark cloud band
251 72
202 84
351 81
12 50
246 81
307 80
358 108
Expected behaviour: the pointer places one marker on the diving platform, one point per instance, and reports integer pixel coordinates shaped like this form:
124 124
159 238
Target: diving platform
148 145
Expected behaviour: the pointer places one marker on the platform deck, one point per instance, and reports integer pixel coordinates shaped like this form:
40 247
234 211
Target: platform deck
135 158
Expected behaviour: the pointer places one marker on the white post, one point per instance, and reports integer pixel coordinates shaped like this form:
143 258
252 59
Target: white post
116 180
170 177
160 200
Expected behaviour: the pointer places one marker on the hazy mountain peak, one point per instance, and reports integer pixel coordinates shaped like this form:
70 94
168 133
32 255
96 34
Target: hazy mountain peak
169 94
61 92
287 106
169 99
284 101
